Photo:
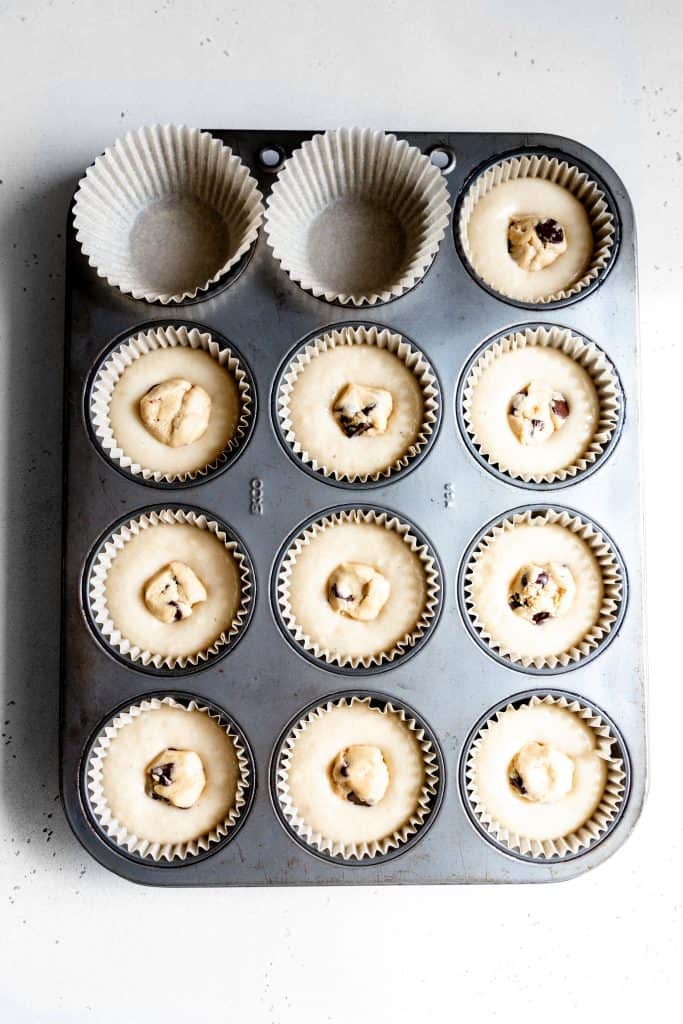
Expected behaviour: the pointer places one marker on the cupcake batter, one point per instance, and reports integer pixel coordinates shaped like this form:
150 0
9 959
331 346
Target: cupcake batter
559 761
137 745
312 789
493 577
154 368
318 390
141 558
506 272
504 433
389 555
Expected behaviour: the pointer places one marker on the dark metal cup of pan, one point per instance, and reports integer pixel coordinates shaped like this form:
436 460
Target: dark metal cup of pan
356 216
166 212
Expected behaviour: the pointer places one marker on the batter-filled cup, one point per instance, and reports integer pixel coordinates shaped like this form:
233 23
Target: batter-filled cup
543 589
143 362
142 567
124 793
346 443
357 780
579 400
544 777
358 589
536 229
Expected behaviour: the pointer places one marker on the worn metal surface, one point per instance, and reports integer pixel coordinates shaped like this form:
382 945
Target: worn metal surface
450 681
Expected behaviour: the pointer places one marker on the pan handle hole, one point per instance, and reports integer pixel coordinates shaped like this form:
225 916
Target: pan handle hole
271 158
442 157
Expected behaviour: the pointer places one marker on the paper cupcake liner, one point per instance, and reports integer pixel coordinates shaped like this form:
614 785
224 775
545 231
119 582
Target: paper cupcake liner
377 847
117 831
599 822
367 166
560 172
99 570
165 337
587 355
162 163
612 580
390 522
413 359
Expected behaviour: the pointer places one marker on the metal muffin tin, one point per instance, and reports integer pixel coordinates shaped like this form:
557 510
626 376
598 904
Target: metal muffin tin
265 496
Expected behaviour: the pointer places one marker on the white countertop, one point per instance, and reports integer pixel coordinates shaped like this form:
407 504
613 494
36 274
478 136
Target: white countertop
78 944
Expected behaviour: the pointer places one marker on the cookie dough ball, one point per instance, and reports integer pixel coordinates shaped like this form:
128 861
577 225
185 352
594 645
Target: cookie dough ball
360 774
176 412
534 243
360 410
542 592
171 592
541 773
176 776
536 412
357 590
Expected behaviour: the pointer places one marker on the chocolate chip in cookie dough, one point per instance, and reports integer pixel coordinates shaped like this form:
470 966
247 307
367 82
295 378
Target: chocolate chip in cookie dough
560 408
355 799
517 782
550 232
163 774
540 617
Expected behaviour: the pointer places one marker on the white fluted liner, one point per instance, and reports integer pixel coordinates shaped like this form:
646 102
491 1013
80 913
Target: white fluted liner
384 339
102 564
365 850
560 172
389 522
369 166
116 830
599 821
151 341
162 163
587 355
612 581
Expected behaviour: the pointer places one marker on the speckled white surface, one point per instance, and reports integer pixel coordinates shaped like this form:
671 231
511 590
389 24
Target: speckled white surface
77 944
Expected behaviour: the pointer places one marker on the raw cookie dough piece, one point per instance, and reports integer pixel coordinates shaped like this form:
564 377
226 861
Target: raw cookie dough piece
363 410
176 411
358 590
536 412
176 776
541 592
541 773
534 243
171 592
360 774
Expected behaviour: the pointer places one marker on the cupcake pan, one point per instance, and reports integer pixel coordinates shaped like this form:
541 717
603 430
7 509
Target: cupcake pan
266 496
